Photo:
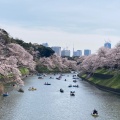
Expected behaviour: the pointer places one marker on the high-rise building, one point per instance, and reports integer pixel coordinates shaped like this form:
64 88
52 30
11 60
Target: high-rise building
57 50
87 52
65 53
45 44
77 53
107 45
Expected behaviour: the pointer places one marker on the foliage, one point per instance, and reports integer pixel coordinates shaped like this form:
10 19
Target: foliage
4 37
56 63
105 58
17 57
1 76
105 77
103 67
24 71
42 51
13 56
42 69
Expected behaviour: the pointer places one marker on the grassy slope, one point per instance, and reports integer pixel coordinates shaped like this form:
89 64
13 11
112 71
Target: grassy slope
24 71
113 82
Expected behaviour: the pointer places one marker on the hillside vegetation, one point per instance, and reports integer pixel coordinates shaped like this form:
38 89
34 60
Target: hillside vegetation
55 63
102 68
18 59
105 77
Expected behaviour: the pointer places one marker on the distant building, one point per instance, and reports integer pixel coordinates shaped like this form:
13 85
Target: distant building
77 53
87 52
65 53
35 44
45 44
107 45
57 50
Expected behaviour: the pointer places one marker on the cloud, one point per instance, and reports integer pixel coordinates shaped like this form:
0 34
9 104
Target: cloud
85 15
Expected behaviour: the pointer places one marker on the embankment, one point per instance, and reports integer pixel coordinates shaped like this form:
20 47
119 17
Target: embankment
108 80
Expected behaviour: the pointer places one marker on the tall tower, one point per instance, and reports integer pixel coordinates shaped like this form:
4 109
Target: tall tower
73 50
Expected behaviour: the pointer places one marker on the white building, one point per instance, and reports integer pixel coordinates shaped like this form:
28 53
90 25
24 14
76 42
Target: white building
65 53
45 44
57 50
77 53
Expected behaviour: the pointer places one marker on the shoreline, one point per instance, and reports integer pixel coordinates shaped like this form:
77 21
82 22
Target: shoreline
10 82
104 88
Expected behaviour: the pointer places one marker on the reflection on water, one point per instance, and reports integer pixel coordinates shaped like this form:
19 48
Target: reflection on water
47 103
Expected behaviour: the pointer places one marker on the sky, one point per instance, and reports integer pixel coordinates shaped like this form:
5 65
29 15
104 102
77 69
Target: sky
84 24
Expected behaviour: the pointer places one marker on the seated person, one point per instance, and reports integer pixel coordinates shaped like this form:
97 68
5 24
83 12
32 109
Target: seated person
95 111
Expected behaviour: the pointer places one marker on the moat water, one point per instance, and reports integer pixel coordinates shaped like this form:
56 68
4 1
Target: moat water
47 103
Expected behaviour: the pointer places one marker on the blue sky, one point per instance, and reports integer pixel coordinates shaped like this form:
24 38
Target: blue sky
84 23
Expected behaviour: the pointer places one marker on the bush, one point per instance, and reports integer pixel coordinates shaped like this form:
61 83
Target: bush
24 71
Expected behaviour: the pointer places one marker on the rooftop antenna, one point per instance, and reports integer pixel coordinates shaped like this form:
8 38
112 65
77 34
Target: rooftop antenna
73 49
109 40
66 47
105 40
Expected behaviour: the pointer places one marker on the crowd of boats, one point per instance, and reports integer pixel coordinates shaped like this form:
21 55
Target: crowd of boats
72 93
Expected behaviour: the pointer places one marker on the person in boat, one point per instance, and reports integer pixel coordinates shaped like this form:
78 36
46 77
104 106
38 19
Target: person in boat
72 91
6 93
95 111
61 90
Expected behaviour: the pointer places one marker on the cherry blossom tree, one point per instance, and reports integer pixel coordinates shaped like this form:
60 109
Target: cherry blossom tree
23 57
105 57
12 56
59 62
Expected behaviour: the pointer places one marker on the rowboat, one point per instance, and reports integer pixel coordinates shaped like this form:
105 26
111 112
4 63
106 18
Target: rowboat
94 115
5 94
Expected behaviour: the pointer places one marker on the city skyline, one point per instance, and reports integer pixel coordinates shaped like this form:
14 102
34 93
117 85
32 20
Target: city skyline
86 24
75 52
67 52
